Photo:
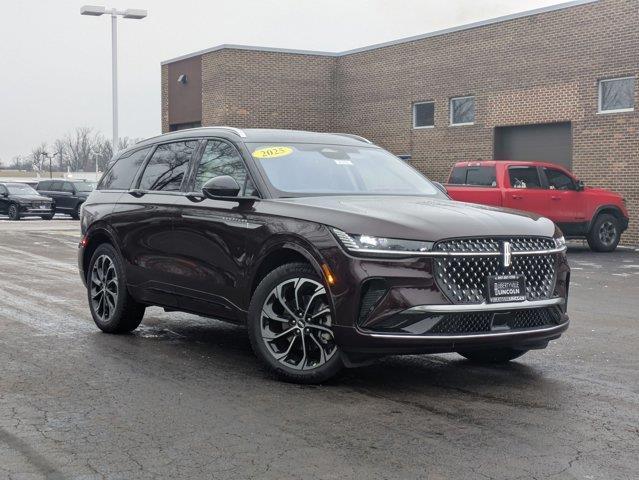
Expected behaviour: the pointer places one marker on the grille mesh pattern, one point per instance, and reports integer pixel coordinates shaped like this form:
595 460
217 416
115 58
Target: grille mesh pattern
467 323
464 323
463 279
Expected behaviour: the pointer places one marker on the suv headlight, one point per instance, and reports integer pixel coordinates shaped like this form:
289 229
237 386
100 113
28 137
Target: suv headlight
368 244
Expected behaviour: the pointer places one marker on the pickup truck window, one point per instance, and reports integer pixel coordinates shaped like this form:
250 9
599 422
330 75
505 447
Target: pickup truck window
477 176
558 180
524 177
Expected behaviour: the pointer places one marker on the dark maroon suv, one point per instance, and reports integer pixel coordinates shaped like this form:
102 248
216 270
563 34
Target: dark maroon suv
331 250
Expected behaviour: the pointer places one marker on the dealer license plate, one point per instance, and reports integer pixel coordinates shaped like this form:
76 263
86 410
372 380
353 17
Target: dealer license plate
506 288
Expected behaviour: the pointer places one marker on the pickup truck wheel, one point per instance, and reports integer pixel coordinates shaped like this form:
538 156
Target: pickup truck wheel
495 355
14 212
604 233
290 325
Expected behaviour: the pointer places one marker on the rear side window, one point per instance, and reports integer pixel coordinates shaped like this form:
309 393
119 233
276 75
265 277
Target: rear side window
46 185
168 166
477 176
458 176
121 174
67 187
524 177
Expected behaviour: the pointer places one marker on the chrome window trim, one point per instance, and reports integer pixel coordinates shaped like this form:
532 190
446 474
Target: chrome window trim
485 307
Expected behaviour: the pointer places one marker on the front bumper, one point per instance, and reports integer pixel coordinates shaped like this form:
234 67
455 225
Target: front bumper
35 212
411 291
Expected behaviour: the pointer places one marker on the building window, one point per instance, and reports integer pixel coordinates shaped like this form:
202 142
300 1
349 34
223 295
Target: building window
617 95
424 115
174 127
462 111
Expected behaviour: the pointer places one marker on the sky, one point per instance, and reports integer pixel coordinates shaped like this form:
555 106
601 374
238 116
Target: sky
55 65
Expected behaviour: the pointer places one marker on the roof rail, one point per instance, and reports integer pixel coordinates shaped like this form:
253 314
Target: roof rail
356 137
237 131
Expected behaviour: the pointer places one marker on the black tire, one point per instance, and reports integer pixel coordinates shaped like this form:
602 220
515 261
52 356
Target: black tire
14 212
119 313
494 355
47 217
75 214
604 234
310 332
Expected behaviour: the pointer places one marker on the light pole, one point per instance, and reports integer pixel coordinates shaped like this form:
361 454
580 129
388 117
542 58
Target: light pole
48 156
132 13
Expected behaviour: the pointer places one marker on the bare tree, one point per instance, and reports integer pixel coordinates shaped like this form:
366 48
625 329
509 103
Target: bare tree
37 156
80 146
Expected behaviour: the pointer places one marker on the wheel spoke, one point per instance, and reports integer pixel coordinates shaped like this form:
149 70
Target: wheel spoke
321 348
280 298
321 313
281 356
268 312
319 327
316 294
279 335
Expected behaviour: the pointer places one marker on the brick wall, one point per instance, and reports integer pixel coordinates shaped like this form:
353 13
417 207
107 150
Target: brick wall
536 69
246 88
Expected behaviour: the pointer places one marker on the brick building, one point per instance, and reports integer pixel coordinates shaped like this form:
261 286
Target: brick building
556 84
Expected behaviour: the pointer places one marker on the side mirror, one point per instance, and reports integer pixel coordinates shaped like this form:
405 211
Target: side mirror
580 185
441 188
5 194
221 188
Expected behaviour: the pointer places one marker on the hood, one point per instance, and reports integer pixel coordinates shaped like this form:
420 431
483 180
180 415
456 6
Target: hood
30 198
418 218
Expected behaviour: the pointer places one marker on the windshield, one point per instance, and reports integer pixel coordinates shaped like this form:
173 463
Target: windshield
295 169
85 186
18 189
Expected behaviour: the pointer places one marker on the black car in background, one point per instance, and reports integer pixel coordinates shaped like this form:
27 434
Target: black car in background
67 195
20 200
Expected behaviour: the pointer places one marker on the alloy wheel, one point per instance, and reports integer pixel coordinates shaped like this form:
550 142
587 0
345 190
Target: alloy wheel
295 324
104 287
607 233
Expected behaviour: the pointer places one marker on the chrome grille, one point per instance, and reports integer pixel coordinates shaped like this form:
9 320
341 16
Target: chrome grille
478 245
463 279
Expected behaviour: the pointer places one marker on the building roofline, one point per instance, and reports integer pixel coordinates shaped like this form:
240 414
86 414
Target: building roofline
468 26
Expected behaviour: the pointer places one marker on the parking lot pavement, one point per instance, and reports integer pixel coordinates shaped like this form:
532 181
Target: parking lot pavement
183 397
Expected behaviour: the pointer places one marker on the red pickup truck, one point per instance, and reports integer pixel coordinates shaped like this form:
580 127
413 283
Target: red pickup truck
546 189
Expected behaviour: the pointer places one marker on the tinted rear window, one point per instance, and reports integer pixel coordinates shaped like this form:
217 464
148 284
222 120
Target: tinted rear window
121 174
478 176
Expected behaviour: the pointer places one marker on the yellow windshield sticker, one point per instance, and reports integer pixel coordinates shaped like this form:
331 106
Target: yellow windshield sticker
272 152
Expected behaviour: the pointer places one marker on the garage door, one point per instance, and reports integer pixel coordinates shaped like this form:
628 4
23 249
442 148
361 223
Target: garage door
549 142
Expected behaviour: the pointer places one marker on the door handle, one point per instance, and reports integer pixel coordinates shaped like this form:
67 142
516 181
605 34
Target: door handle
137 193
555 198
517 197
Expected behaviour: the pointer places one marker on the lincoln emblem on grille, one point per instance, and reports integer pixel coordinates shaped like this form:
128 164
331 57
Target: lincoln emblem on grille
507 255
